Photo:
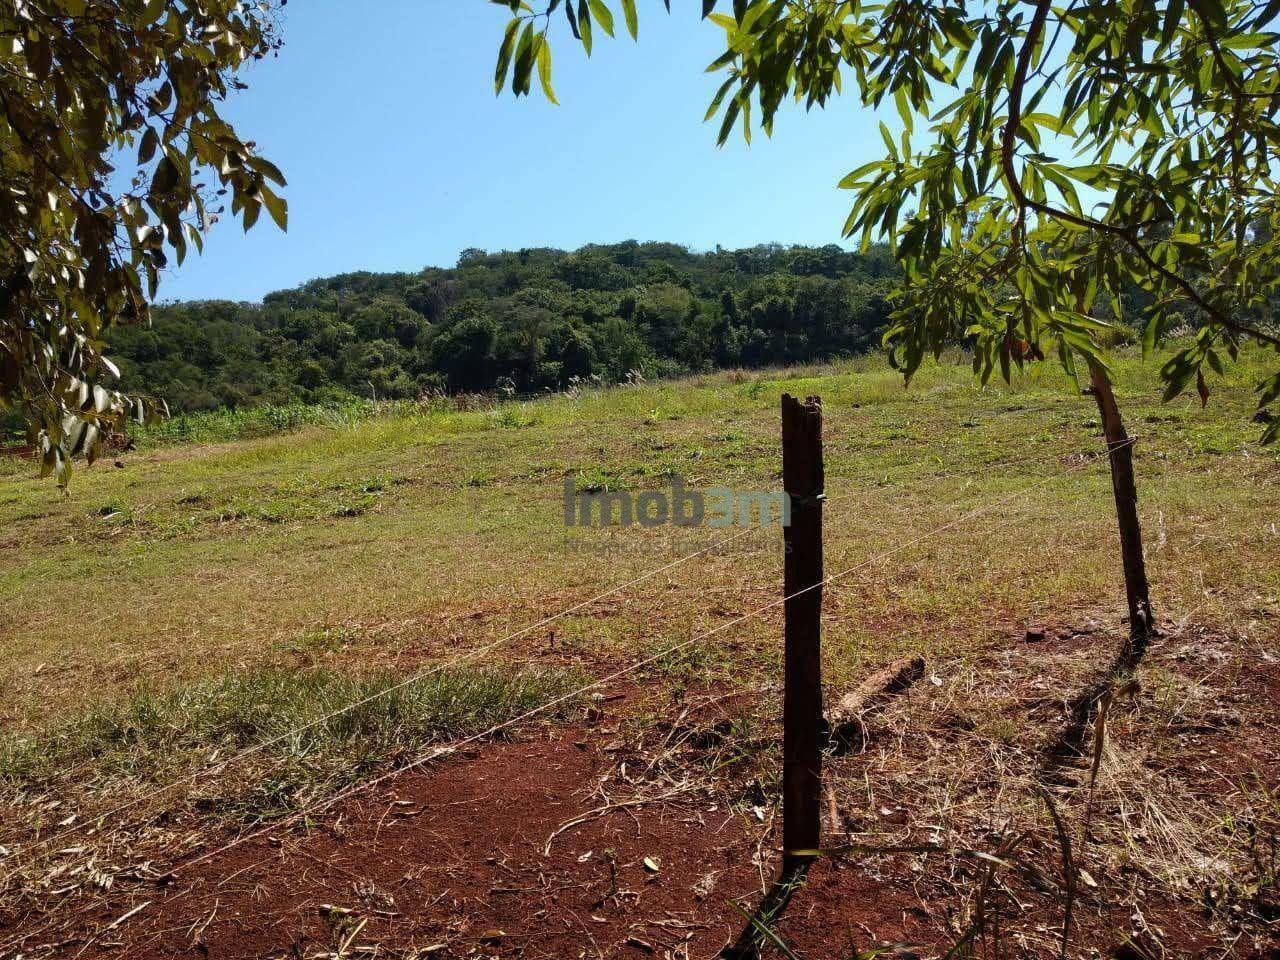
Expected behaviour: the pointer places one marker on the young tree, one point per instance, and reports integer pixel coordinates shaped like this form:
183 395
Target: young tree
1051 156
112 158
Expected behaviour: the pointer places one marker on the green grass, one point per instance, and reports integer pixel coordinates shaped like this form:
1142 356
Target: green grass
245 574
415 531
265 420
311 731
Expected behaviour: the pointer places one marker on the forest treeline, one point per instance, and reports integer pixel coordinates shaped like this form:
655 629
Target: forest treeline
527 320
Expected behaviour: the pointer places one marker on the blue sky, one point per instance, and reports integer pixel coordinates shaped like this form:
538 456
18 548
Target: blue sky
399 155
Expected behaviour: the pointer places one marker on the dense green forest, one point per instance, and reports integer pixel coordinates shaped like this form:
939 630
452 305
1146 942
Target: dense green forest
529 320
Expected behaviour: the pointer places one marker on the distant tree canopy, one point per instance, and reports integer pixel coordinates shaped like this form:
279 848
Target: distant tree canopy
529 320
1053 157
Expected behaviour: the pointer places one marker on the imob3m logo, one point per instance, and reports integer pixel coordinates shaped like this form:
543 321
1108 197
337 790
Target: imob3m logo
683 507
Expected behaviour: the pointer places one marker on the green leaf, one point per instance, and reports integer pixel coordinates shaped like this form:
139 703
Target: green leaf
1213 10
1172 19
904 108
544 69
268 169
147 149
504 55
524 61
165 179
718 99
603 15
730 116
888 140
854 177
252 209
277 206
1248 41
1150 334
633 22
39 57
584 24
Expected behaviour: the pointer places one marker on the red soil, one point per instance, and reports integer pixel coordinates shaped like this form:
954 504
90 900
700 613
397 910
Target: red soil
451 863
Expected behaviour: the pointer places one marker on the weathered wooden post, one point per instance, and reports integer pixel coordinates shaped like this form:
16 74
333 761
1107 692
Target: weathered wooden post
802 720
802 480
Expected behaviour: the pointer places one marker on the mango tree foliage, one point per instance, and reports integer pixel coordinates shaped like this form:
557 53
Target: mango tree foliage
1057 163
114 161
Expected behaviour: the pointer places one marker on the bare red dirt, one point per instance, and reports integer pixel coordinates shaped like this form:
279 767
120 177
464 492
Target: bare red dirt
451 863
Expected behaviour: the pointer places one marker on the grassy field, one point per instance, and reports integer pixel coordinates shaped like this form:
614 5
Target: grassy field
390 540
190 585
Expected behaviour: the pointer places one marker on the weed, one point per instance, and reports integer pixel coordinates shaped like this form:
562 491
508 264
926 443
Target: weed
515 416
321 642
599 480
702 662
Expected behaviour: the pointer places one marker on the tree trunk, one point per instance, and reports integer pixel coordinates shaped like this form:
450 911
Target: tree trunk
1120 452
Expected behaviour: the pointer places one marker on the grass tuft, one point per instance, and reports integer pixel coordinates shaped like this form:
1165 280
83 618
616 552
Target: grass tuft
158 736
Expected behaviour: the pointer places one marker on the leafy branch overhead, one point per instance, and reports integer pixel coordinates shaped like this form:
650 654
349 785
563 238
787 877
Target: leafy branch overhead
1061 169
115 161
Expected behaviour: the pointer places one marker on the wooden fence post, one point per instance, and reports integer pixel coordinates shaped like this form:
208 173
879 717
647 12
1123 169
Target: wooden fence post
802 720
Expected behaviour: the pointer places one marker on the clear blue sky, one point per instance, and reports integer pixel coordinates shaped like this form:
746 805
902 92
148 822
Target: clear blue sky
399 155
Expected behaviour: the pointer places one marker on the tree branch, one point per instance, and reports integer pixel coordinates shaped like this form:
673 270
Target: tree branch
1034 30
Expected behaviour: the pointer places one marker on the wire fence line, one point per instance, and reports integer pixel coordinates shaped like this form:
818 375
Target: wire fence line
462 659
443 750
446 749
238 578
417 677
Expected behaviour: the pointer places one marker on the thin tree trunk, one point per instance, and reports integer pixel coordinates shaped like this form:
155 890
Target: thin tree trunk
1120 451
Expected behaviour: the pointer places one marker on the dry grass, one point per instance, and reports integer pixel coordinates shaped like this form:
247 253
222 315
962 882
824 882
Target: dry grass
195 560
1180 817
404 540
88 799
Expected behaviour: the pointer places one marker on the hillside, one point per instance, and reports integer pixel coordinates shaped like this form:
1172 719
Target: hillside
227 593
529 320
